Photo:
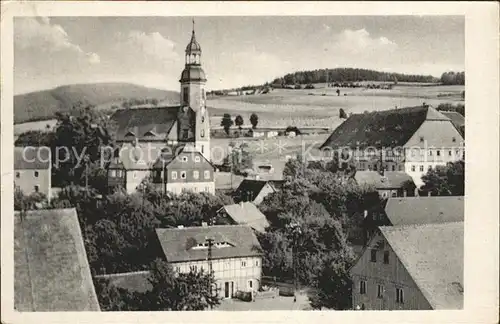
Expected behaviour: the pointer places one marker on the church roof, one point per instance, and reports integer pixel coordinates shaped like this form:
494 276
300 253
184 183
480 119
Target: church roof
145 123
389 128
193 73
193 45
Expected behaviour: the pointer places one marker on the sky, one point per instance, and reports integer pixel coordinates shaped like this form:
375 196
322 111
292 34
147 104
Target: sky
236 51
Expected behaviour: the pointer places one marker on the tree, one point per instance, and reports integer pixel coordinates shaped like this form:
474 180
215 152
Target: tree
184 292
338 92
239 160
36 200
226 123
446 180
254 120
238 121
342 114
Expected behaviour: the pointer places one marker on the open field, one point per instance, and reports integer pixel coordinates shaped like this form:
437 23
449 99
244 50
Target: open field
43 125
320 106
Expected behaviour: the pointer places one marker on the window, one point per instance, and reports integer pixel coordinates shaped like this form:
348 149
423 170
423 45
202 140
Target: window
36 174
421 139
202 133
449 153
174 175
373 255
393 167
183 174
399 296
421 168
400 167
438 153
413 168
185 96
197 159
394 194
113 173
18 174
207 174
386 257
202 149
453 139
196 174
243 264
193 268
178 269
380 291
375 167
203 93
250 283
37 188
256 263
362 287
430 152
184 159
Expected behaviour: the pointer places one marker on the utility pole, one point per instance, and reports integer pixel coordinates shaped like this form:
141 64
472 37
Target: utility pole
210 242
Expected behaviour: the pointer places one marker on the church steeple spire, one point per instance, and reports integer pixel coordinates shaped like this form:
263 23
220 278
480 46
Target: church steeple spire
193 50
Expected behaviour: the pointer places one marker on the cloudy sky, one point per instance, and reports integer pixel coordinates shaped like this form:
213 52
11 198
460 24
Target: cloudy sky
53 51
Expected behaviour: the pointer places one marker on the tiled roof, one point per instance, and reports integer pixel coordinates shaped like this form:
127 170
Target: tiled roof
425 210
246 213
178 243
51 267
390 179
433 255
31 158
387 128
145 123
255 186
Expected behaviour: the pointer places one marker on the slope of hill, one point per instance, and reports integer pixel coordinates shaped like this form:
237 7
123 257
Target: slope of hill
43 105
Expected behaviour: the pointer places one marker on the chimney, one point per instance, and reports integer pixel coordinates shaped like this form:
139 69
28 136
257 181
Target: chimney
204 224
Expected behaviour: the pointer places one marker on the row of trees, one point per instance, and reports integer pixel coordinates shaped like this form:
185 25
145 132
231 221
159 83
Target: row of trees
227 122
347 75
453 78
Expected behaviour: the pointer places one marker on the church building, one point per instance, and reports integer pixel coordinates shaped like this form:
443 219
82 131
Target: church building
169 145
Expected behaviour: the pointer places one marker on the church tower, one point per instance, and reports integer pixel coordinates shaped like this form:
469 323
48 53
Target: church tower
193 98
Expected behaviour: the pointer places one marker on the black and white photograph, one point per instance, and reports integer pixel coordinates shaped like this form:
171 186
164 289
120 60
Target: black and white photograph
229 163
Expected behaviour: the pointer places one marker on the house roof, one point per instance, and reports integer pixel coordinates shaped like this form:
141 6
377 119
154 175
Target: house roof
178 243
246 213
31 158
425 210
51 267
145 123
433 254
387 128
457 119
390 179
255 186
132 157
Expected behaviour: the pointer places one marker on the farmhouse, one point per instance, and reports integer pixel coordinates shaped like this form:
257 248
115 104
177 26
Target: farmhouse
244 213
256 190
149 131
235 257
50 263
411 267
387 183
33 170
412 140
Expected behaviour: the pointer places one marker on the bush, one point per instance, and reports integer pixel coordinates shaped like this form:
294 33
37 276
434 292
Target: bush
342 114
309 86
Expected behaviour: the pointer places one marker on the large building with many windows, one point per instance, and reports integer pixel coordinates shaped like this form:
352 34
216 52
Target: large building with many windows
174 138
233 254
411 140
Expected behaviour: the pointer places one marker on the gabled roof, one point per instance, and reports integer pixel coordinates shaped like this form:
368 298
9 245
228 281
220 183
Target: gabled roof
132 157
390 179
138 122
246 213
433 254
425 210
387 128
51 267
178 243
31 158
255 186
